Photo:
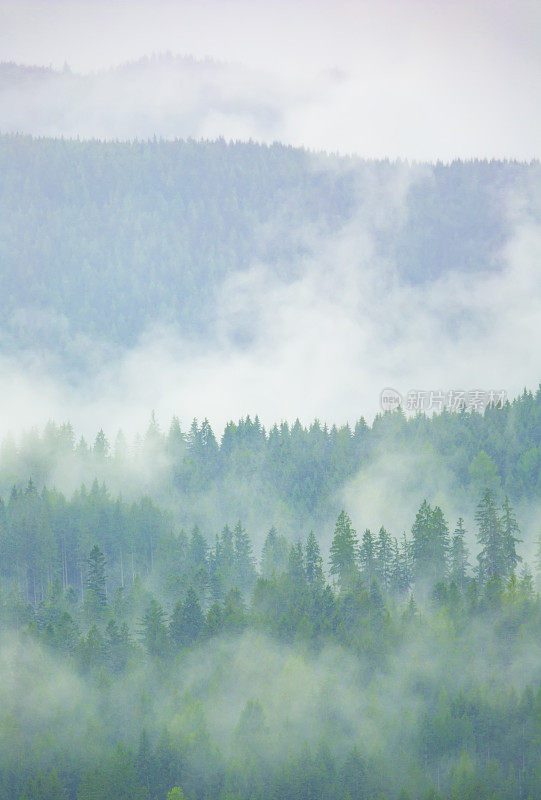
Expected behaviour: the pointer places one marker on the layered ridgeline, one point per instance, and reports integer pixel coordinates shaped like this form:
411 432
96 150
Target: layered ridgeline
102 240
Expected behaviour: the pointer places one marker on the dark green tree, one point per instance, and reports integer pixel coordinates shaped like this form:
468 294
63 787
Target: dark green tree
492 558
95 596
313 562
510 538
367 557
343 566
458 567
384 559
187 620
275 554
153 626
244 562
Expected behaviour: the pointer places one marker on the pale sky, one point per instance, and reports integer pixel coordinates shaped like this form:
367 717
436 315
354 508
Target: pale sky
404 78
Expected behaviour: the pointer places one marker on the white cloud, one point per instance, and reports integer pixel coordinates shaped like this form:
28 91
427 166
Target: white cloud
322 344
422 79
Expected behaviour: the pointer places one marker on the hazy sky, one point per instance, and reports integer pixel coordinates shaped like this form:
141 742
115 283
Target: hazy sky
412 78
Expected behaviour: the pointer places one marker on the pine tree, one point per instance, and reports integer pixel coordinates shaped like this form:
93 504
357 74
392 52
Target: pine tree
225 562
154 629
275 554
176 441
399 578
296 569
459 557
367 557
198 566
344 546
187 620
407 566
95 597
430 545
384 554
510 529
492 557
314 562
101 445
244 563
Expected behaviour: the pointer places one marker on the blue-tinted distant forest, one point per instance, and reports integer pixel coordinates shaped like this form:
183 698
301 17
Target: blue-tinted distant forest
105 239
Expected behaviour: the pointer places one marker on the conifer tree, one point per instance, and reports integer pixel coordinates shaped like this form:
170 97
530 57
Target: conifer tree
430 544
95 597
275 554
101 445
510 531
384 554
244 562
344 546
225 561
367 557
154 629
459 557
492 559
296 570
314 562
399 578
187 620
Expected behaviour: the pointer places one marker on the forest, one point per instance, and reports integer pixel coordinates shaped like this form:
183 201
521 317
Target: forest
150 650
100 240
270 400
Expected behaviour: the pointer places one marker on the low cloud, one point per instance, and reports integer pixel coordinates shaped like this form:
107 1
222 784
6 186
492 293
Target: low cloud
320 343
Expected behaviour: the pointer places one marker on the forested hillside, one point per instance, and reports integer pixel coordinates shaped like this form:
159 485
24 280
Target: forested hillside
371 663
270 400
101 240
296 477
186 664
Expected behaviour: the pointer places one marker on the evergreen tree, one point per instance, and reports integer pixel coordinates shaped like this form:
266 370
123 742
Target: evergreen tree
344 546
492 558
187 620
296 570
384 555
368 557
101 445
459 557
275 554
198 566
244 563
510 531
154 629
314 562
399 578
95 597
225 563
430 544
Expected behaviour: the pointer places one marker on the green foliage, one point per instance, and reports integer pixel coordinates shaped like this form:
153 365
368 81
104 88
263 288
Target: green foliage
143 232
96 597
343 557
388 649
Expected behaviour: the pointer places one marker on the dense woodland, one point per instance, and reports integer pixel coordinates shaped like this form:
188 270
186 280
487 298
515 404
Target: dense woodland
290 476
100 240
194 614
145 658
